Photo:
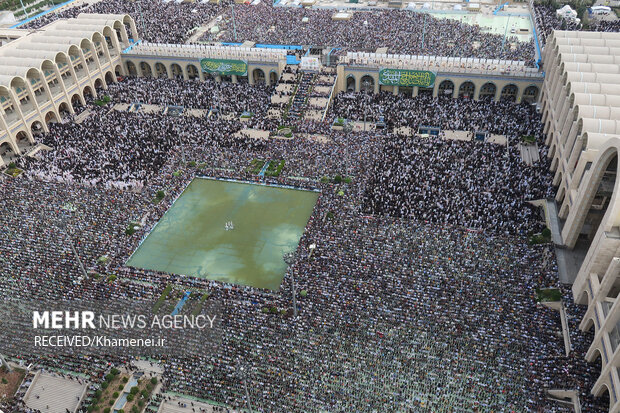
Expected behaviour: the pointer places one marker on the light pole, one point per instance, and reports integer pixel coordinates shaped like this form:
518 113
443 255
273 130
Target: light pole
424 29
4 363
66 230
366 84
181 143
24 8
505 32
141 19
289 259
232 6
245 386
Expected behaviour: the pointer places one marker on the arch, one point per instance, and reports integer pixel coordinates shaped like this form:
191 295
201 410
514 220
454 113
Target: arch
258 76
64 109
121 33
425 91
131 68
594 204
350 83
7 152
76 101
589 323
23 140
446 88
118 71
467 90
530 94
509 93
50 117
18 84
160 70
176 70
49 71
192 72
367 84
109 78
36 128
98 83
145 69
488 91
273 77
88 91
110 42
405 91
604 395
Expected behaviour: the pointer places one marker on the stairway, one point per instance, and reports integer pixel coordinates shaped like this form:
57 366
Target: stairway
320 96
300 99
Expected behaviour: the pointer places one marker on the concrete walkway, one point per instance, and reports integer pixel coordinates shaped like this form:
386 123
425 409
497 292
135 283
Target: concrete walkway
566 397
529 154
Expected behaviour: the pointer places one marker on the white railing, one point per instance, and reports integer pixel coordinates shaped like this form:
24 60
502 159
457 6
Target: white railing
331 96
200 51
441 64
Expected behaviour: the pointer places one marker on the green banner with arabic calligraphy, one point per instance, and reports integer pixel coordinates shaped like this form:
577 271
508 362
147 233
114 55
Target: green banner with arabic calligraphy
224 67
410 78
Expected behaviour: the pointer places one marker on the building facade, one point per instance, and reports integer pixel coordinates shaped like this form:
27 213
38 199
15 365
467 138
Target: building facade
580 104
477 79
183 61
49 72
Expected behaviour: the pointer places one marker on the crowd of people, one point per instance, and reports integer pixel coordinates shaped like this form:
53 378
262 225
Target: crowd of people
401 32
487 190
420 294
546 20
228 97
157 21
495 117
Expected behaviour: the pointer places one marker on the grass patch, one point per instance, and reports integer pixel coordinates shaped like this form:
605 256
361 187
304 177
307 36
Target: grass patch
284 131
543 237
290 102
177 173
105 396
198 307
548 295
104 259
255 166
9 382
103 101
162 298
528 139
13 171
274 168
132 228
159 196
338 179
339 122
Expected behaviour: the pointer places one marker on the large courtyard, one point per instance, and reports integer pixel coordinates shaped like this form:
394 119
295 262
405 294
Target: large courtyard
228 231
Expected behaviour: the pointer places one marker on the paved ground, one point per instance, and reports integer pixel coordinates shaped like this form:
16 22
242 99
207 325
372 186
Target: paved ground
51 393
183 405
253 133
498 139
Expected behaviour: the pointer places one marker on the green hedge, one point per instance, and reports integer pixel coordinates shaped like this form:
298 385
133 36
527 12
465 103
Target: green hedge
548 295
162 297
275 168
